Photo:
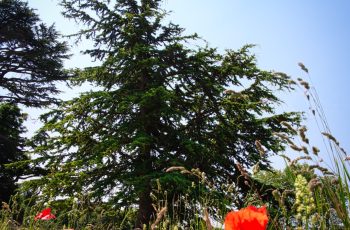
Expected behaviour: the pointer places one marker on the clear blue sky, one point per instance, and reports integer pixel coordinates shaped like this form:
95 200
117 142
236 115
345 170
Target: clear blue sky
315 32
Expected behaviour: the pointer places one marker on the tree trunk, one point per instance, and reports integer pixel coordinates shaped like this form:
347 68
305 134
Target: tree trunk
146 210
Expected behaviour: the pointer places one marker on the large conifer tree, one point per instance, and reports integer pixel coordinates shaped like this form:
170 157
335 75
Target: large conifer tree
162 104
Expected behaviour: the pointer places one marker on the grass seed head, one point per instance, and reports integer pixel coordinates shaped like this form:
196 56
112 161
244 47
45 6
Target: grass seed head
315 150
260 148
288 126
305 150
331 137
303 67
314 183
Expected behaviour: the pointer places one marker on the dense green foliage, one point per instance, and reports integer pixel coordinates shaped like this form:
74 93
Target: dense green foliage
31 57
157 103
11 148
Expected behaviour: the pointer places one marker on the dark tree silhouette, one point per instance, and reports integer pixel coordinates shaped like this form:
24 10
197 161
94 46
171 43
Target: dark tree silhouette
11 148
31 61
30 56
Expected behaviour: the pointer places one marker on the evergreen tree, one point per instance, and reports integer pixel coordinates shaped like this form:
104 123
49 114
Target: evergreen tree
31 60
11 148
31 57
158 103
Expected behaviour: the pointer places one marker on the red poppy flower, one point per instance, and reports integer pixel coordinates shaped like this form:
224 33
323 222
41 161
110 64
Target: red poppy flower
45 215
247 219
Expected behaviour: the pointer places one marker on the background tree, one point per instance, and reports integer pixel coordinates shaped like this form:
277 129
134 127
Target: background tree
11 148
31 60
161 104
31 57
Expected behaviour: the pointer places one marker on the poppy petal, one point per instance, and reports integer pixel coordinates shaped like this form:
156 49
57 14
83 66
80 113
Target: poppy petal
45 215
247 218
